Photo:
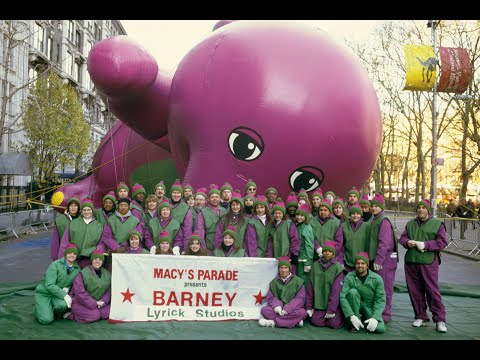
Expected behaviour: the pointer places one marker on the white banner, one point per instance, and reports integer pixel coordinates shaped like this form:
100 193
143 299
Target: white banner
185 288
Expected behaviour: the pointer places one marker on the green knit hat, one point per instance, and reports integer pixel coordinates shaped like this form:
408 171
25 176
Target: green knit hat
292 200
379 201
330 193
329 245
362 255
164 236
364 200
75 200
201 191
135 232
354 191
213 189
71 248
338 200
271 189
226 186
261 200
303 194
284 261
137 189
160 184
319 193
164 203
236 196
325 202
188 186
232 231
195 236
110 196
176 187
355 208
97 254
250 183
279 206
304 210
87 202
121 186
426 203
248 197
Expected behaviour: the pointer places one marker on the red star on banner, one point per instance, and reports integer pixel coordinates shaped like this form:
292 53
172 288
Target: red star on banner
259 298
127 296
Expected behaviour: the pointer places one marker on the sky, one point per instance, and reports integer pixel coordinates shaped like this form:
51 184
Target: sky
170 40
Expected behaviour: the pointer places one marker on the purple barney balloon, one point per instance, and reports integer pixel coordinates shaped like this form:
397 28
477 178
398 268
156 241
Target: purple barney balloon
279 103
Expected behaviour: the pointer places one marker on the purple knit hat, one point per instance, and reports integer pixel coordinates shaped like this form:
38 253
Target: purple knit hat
176 187
426 203
292 200
137 189
304 210
364 200
379 201
362 255
201 191
232 231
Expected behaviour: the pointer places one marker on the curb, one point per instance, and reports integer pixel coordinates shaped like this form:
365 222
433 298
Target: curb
466 256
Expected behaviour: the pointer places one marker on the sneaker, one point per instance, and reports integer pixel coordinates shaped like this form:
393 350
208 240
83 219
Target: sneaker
67 314
300 324
419 322
266 323
441 327
353 330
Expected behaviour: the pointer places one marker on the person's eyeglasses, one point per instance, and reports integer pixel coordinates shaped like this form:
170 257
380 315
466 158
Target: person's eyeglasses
252 189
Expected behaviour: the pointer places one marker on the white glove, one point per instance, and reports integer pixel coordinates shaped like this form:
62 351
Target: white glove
153 249
176 250
310 312
307 268
66 289
68 300
283 313
278 310
329 315
100 303
319 251
357 324
377 267
420 245
372 324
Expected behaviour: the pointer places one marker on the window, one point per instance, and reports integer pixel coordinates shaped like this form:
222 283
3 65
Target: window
50 47
87 48
71 28
76 71
38 37
69 64
97 32
32 75
88 81
78 38
59 54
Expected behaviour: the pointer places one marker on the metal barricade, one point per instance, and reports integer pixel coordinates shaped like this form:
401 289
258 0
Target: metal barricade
24 222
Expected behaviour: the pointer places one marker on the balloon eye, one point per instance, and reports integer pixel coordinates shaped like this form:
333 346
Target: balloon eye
245 144
306 177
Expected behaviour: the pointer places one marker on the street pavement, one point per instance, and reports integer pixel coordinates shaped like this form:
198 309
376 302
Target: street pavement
27 259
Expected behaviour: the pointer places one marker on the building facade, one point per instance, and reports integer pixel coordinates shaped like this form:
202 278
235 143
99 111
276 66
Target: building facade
30 47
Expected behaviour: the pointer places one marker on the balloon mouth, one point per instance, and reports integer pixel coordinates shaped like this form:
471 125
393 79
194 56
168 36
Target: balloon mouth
57 198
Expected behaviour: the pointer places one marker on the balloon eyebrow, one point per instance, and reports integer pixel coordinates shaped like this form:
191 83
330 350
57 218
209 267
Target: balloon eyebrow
252 133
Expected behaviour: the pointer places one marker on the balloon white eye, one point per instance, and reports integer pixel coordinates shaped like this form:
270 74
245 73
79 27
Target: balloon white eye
243 145
306 177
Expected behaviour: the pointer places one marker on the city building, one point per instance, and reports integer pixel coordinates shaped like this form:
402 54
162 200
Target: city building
27 49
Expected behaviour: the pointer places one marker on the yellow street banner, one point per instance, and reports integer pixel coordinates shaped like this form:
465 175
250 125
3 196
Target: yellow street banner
420 67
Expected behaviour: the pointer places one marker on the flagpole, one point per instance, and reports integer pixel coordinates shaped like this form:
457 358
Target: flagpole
433 25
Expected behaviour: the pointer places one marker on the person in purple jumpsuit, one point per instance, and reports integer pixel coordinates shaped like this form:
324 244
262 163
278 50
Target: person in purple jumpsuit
322 306
382 249
285 299
91 292
424 237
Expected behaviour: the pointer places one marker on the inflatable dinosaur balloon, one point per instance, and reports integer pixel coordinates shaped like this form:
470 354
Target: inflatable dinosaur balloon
279 103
